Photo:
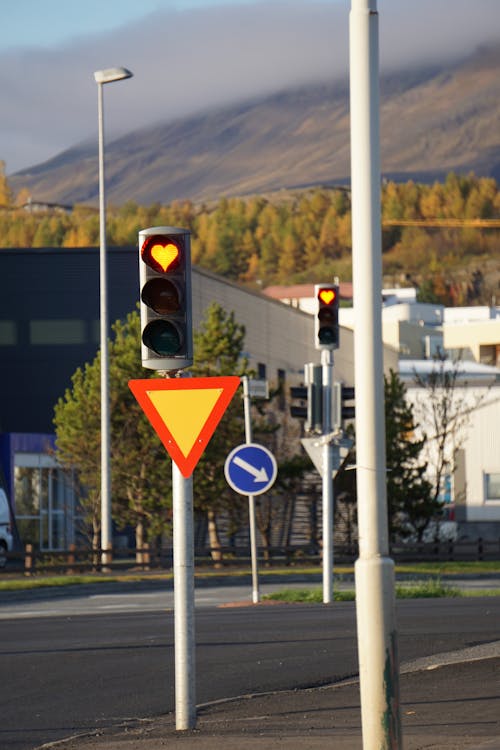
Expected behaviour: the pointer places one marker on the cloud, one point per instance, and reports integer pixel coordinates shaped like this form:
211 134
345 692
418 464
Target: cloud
184 62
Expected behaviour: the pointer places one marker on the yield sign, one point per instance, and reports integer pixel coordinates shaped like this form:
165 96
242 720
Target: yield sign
185 412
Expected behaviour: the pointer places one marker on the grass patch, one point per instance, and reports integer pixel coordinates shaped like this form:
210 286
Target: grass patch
480 592
434 570
471 567
40 583
22 584
307 596
432 588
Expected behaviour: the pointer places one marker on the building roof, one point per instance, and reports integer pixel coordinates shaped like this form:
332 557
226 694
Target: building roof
466 370
299 291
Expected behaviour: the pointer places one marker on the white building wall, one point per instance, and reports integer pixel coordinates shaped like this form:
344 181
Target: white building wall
479 437
482 447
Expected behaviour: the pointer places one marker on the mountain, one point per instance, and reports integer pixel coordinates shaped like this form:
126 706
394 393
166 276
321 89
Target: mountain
433 120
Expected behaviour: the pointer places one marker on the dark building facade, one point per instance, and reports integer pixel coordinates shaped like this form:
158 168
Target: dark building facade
49 324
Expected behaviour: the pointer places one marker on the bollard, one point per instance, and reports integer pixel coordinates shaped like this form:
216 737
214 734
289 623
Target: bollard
28 560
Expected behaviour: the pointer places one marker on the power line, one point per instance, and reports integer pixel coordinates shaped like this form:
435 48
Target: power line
459 223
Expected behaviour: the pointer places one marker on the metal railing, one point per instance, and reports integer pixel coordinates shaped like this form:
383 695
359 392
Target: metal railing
79 560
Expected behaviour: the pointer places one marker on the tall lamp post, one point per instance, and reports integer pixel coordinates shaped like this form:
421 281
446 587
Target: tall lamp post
101 77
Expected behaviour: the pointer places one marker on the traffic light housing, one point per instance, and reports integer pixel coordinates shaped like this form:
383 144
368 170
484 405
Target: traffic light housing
165 298
326 318
311 392
298 392
341 411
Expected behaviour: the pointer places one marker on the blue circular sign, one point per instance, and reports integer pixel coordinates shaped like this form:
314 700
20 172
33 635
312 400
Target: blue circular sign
250 469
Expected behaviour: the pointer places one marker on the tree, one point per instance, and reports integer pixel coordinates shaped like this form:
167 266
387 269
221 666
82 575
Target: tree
140 478
274 510
412 505
5 191
77 425
446 409
218 346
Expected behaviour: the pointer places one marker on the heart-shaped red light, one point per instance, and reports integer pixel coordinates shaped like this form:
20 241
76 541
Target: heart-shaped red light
327 296
164 255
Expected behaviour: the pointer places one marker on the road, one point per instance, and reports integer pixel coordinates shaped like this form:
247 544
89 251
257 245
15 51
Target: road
80 662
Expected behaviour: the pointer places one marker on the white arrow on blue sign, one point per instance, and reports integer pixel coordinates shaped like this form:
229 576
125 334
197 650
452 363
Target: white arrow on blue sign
250 469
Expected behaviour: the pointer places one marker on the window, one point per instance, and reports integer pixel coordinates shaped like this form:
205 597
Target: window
492 486
8 333
45 502
49 332
282 389
445 494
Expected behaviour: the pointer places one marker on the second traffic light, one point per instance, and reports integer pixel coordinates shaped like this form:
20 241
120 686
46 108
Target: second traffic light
326 316
341 411
165 298
311 392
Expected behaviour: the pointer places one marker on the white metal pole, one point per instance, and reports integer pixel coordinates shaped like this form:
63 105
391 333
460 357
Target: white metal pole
251 498
327 479
374 570
106 522
183 539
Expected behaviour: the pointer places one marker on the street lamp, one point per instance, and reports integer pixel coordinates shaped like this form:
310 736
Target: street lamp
101 77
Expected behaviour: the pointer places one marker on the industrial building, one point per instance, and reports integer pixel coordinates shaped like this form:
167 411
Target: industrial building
49 326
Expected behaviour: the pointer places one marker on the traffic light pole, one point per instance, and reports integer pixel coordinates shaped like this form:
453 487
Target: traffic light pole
374 570
183 539
327 478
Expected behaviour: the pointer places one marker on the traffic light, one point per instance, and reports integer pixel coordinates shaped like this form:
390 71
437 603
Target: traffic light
165 298
326 319
298 392
314 383
341 411
311 392
348 394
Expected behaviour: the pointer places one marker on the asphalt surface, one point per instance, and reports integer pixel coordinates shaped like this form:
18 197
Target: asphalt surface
448 702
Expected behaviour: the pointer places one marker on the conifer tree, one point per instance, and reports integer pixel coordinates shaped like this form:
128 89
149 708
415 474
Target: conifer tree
411 503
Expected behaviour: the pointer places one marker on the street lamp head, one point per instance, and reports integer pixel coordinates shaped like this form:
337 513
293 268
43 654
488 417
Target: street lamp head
112 74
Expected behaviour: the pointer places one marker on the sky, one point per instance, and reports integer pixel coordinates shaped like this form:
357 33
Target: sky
190 55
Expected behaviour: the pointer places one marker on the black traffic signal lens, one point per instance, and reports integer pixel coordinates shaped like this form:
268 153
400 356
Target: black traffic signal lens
327 335
162 337
162 253
327 332
327 316
161 295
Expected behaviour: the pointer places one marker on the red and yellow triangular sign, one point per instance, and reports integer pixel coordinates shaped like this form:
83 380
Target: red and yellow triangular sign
185 412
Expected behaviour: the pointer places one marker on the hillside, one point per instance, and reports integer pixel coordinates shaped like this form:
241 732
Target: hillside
433 121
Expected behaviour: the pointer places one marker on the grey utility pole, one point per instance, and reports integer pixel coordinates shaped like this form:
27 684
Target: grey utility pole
102 77
374 570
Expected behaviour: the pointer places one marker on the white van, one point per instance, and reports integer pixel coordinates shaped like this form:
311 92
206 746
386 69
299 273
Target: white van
6 540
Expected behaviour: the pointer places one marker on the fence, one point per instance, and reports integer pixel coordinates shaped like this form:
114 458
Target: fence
77 560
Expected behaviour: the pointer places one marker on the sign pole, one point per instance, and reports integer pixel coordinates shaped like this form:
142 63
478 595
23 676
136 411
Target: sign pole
327 477
251 498
184 413
183 538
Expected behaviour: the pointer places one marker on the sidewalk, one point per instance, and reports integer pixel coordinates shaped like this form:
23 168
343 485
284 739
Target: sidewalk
450 707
